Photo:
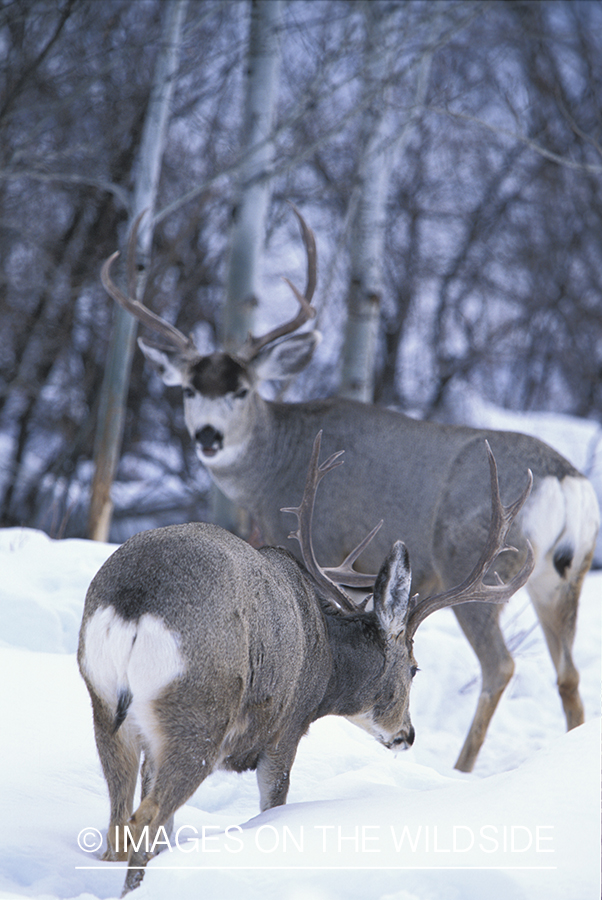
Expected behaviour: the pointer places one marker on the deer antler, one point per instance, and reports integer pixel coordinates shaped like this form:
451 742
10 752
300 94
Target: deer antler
184 344
330 579
473 587
253 345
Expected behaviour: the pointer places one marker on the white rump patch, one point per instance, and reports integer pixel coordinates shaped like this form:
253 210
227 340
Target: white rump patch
562 513
141 655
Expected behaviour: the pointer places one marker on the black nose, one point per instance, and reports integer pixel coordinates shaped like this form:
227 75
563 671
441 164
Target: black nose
210 438
405 740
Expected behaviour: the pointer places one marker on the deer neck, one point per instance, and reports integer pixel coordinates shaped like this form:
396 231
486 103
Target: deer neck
267 448
358 660
242 471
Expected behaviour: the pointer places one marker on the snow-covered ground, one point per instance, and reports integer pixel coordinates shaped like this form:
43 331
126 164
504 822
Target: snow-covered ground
360 822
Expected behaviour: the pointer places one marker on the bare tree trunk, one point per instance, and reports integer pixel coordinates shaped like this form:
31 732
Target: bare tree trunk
251 205
111 416
370 199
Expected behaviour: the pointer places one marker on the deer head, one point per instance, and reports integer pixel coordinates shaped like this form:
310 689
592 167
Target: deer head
220 389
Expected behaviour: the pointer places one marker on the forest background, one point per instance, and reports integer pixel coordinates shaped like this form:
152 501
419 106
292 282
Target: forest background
455 146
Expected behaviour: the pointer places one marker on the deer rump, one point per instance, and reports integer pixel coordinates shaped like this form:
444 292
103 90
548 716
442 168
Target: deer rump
219 644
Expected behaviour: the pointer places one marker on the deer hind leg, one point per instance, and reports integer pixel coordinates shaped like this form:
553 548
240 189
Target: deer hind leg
182 749
119 754
562 523
147 778
176 777
555 598
480 624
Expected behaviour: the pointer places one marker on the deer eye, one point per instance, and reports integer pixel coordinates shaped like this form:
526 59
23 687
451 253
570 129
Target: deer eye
413 670
189 392
241 393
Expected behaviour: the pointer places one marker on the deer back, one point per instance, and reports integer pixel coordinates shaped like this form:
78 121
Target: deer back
429 484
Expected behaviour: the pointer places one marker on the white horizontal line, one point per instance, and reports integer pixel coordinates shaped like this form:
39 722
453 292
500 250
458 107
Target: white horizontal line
329 868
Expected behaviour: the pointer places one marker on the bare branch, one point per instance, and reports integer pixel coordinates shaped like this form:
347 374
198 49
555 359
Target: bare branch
522 138
118 192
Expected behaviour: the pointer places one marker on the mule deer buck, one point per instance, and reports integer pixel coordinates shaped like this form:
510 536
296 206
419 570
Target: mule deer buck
207 654
427 481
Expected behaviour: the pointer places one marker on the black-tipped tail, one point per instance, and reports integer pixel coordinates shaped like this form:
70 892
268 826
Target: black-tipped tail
563 559
123 704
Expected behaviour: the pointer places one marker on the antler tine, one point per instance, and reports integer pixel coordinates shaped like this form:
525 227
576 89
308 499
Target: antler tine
304 514
309 240
253 344
346 574
473 587
175 337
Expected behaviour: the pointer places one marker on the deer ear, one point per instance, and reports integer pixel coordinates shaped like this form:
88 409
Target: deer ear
392 590
288 357
168 363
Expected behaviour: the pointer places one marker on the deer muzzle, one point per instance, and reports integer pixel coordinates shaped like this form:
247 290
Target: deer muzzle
209 440
402 741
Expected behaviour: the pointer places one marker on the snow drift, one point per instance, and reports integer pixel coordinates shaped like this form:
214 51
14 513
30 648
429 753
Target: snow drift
360 821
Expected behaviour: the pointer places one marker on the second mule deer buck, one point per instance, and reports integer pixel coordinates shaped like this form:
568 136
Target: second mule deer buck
427 481
206 653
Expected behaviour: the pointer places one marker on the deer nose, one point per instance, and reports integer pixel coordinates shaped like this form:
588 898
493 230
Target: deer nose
403 741
209 439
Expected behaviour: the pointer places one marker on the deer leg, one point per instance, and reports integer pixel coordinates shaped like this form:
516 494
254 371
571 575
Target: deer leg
177 778
480 624
119 754
556 599
181 770
146 780
273 776
182 750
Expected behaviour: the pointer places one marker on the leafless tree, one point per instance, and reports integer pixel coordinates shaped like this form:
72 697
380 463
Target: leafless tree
115 384
492 264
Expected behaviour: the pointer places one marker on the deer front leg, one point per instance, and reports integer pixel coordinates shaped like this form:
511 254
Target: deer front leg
273 776
480 624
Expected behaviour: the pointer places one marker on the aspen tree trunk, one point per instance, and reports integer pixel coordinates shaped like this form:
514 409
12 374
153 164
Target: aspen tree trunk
251 203
254 187
380 145
111 417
